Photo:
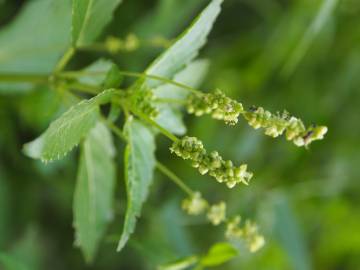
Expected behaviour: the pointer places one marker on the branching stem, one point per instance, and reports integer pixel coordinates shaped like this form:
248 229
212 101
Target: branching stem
65 59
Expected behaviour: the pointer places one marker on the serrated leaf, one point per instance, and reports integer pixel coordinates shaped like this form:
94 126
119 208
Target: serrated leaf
170 116
31 45
66 132
218 254
93 197
186 47
139 167
89 17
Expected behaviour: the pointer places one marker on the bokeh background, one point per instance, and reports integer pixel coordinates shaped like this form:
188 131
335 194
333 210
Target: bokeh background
302 56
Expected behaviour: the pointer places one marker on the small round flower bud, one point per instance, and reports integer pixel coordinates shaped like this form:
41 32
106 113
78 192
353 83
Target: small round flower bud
195 205
256 243
217 213
232 229
249 233
113 44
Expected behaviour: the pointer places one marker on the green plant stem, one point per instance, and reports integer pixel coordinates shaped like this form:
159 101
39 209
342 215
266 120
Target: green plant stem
158 78
173 177
31 78
84 88
153 123
115 129
76 74
96 47
65 59
161 167
171 100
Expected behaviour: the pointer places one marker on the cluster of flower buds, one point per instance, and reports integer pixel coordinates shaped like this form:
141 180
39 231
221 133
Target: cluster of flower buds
223 171
115 45
277 124
217 213
141 99
224 108
217 104
195 205
248 232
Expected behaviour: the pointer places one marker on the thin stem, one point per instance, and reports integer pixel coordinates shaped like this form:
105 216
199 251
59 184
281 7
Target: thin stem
86 88
173 177
162 79
32 78
115 129
65 59
75 74
171 100
97 47
153 123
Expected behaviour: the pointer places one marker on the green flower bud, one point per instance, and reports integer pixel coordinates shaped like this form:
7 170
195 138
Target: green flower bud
249 233
217 213
256 243
195 205
232 228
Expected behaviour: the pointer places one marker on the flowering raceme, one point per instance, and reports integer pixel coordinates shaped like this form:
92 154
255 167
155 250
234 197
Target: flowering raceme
223 171
217 104
216 214
224 108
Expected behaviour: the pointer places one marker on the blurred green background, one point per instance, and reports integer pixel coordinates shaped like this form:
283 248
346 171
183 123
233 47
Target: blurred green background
302 56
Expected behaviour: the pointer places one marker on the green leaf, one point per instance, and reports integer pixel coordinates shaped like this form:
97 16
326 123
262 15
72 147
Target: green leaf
170 116
102 72
139 167
94 190
11 263
157 19
218 254
186 47
89 17
66 132
35 40
113 78
289 232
